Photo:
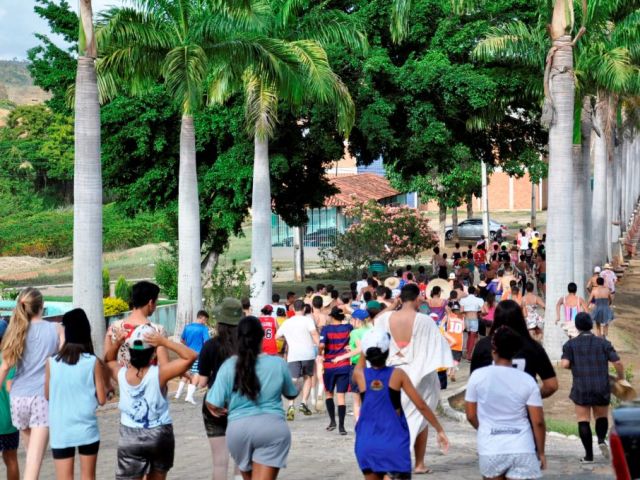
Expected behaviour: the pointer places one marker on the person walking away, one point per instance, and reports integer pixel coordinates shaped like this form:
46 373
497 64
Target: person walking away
281 317
488 310
471 306
75 377
418 348
382 435
270 327
541 272
193 336
480 258
27 344
436 304
591 284
601 312
610 279
443 267
144 301
531 358
214 353
454 326
531 303
571 304
249 389
504 405
588 357
456 256
9 435
362 324
302 340
146 446
334 340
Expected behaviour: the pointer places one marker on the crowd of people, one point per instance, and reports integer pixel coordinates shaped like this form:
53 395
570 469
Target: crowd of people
390 344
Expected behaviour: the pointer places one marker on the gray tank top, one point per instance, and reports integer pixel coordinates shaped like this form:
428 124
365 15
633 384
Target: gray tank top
41 343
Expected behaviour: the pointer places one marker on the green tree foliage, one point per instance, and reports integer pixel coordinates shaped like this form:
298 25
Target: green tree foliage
106 283
123 289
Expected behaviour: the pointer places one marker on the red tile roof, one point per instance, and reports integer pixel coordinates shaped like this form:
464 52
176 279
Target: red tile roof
361 188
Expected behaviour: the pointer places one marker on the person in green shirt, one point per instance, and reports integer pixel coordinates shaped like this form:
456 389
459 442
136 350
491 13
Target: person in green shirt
9 435
362 323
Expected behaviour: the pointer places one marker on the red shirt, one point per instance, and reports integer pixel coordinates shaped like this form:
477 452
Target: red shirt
269 344
479 257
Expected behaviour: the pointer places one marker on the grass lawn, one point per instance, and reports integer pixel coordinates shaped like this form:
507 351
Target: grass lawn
562 426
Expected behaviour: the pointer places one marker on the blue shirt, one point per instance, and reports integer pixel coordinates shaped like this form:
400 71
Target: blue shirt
73 403
194 335
41 343
144 405
275 381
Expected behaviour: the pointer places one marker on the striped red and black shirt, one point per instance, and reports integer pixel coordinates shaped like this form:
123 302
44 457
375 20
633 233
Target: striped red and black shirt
335 339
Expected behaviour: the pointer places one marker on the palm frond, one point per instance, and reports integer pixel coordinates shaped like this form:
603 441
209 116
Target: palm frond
334 27
261 106
515 42
400 10
185 71
612 69
118 28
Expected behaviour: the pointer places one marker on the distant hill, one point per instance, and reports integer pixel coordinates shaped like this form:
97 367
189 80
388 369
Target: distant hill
16 85
14 73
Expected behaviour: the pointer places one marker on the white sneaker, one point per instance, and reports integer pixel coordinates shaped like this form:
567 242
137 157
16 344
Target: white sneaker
191 401
604 449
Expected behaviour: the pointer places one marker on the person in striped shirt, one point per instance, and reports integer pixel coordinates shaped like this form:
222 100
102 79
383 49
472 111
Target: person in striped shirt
334 342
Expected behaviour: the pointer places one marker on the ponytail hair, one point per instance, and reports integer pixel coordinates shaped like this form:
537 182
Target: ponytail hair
28 305
250 334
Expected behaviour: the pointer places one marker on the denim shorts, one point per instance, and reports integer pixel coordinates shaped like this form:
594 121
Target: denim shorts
472 325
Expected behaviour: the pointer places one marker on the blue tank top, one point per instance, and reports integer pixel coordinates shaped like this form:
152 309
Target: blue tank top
73 385
382 434
144 405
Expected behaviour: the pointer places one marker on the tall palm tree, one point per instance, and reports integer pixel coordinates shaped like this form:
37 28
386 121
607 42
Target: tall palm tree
87 183
195 47
306 78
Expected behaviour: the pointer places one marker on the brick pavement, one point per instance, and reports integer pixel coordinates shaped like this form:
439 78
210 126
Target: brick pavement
317 454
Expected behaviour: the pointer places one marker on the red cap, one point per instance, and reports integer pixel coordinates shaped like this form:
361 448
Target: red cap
267 309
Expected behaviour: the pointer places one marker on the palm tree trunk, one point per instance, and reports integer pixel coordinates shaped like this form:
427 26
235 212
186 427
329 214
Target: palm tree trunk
560 211
261 266
189 276
87 201
586 125
454 222
579 240
599 201
534 206
208 266
469 202
609 210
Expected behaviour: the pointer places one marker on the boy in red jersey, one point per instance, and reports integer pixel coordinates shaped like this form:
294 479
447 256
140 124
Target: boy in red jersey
270 327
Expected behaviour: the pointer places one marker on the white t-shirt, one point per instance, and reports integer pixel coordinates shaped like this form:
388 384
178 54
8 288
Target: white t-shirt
297 332
502 395
471 303
360 285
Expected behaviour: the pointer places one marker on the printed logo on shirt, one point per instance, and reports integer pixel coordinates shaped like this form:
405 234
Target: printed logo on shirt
376 385
505 431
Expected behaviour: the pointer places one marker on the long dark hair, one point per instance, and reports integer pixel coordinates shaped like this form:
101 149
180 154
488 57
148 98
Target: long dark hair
509 314
227 341
70 352
250 334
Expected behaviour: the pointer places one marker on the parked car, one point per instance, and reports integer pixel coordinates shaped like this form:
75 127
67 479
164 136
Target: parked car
323 237
472 228
624 441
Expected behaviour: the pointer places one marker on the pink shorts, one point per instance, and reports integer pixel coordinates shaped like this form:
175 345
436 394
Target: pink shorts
29 412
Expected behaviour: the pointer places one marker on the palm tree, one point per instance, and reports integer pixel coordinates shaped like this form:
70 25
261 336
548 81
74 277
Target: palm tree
87 183
195 47
306 78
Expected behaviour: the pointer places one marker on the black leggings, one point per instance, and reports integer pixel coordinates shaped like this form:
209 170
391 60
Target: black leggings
64 453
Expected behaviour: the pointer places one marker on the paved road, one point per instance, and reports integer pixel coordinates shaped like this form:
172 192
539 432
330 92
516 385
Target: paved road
317 454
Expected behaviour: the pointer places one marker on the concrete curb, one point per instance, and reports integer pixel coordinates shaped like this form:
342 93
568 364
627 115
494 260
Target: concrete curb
447 410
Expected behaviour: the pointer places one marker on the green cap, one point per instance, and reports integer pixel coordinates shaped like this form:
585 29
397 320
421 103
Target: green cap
374 305
229 312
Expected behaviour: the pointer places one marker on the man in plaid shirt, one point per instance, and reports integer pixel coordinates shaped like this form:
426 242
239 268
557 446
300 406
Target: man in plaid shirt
588 358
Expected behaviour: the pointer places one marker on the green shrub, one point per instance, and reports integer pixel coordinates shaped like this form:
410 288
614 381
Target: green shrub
114 306
166 272
106 281
50 232
123 289
225 282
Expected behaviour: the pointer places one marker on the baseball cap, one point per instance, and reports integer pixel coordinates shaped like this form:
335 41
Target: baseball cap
360 314
376 338
229 312
137 339
597 270
267 308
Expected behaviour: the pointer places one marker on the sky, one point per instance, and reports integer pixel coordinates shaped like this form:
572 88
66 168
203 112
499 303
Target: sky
18 23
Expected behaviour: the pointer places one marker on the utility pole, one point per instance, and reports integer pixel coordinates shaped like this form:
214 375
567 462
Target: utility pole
485 203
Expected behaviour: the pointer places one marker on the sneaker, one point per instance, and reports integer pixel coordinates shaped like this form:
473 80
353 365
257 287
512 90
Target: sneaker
291 413
191 401
342 431
586 460
604 449
305 410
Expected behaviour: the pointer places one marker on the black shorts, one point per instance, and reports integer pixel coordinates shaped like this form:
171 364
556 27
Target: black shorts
70 452
336 381
213 426
302 368
144 450
457 355
9 441
391 475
